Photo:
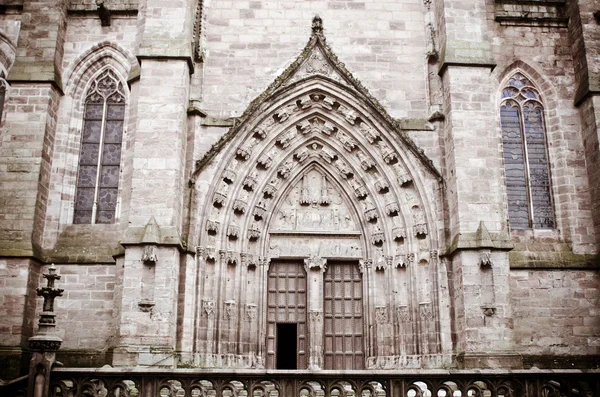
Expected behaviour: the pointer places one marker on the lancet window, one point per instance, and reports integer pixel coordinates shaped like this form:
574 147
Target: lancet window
100 153
525 156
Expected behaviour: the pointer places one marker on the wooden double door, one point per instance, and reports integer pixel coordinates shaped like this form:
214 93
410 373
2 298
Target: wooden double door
342 333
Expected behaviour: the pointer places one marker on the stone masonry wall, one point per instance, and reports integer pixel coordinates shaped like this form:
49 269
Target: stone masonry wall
556 312
249 43
85 317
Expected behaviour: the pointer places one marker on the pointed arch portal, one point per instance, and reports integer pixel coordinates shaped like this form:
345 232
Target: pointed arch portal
319 179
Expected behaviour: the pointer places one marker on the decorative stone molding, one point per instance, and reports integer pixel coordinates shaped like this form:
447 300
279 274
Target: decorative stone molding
325 198
377 236
381 314
349 114
403 314
343 169
146 305
488 311
359 189
264 128
149 255
400 261
485 259
233 231
365 161
315 316
284 140
403 175
348 143
253 231
228 257
240 205
382 186
266 159
426 311
369 132
410 259
245 151
208 308
285 112
315 263
260 209
250 181
285 170
221 195
420 229
383 263
271 188
364 265
206 253
389 155
229 174
399 233
250 311
212 226
230 309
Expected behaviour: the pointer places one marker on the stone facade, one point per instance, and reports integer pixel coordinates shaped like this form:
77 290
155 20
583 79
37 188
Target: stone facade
338 184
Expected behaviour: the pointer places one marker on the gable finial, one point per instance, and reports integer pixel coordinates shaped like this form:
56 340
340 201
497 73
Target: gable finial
317 25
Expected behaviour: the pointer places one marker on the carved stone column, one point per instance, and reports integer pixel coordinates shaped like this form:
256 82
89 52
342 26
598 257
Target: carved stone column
46 342
315 267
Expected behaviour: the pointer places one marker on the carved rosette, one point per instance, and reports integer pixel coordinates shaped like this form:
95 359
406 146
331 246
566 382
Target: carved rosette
426 311
381 315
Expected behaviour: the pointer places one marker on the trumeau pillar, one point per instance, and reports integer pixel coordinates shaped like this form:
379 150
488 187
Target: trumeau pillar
477 219
315 267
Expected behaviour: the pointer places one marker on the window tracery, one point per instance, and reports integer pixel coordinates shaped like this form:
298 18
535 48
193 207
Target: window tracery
525 156
100 153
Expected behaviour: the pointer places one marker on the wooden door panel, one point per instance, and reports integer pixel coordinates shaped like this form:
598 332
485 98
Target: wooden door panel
343 317
286 302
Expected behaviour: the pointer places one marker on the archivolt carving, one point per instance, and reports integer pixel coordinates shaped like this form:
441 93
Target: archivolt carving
318 124
317 169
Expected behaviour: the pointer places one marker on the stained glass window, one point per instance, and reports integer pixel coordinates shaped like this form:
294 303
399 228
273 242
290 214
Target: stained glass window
100 154
525 156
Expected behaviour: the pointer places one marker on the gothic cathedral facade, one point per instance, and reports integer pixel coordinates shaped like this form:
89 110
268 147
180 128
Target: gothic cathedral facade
321 185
